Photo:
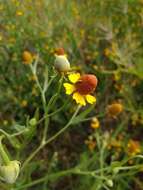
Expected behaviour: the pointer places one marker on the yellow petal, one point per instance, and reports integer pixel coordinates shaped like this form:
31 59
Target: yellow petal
69 88
79 99
74 77
90 99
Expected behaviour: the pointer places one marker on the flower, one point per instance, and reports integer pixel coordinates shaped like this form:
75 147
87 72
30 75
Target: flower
95 123
91 143
61 63
133 147
10 172
19 13
27 57
81 88
114 109
24 103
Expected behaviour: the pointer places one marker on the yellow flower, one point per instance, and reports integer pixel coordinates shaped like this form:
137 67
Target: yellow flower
91 144
27 57
95 123
114 109
24 103
81 88
133 147
19 13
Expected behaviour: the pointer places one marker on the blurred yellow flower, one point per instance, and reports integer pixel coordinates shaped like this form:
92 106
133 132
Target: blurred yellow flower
95 123
91 144
81 88
133 147
114 109
19 13
24 103
27 57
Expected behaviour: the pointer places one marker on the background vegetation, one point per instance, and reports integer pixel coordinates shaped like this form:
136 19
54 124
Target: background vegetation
100 37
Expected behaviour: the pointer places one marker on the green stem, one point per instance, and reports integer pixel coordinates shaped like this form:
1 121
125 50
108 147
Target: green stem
50 139
60 174
3 154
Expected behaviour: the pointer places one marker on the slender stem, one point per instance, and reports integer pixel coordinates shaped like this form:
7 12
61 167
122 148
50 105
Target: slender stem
53 99
3 154
50 139
31 156
60 174
64 128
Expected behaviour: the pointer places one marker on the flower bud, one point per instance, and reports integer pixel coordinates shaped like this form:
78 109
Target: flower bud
114 109
33 122
10 172
27 57
61 63
109 182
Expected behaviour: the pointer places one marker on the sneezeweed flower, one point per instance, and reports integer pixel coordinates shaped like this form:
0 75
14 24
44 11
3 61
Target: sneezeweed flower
24 103
91 143
95 123
114 109
19 13
10 172
133 147
81 88
115 144
61 62
27 57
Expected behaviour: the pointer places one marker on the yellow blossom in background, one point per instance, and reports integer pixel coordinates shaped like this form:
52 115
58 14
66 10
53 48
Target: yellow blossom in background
91 144
19 13
1 37
114 109
107 51
27 57
81 87
133 147
24 103
95 123
116 76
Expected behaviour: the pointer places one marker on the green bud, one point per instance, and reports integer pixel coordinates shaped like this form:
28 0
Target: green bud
61 63
10 172
33 122
109 182
116 170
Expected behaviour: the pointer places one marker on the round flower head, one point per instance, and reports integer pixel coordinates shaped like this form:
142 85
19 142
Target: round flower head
81 88
61 63
95 123
27 57
133 147
10 172
114 109
59 51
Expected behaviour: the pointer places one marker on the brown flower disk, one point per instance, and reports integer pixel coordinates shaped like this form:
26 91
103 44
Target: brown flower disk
86 84
60 51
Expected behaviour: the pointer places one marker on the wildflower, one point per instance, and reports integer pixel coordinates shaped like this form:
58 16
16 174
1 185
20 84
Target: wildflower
116 144
81 88
19 13
133 147
61 63
24 103
27 57
114 109
107 52
10 172
91 144
95 123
